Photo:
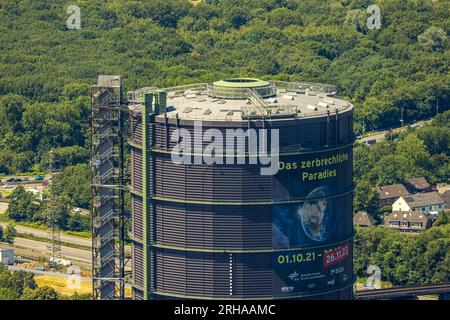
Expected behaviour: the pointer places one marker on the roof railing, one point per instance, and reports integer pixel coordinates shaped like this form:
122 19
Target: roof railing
239 93
304 87
233 92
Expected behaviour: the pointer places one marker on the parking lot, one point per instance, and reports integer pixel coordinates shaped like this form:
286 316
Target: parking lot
34 184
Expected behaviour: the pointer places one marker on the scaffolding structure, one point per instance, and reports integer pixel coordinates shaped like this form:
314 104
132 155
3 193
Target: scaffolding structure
107 172
54 235
53 231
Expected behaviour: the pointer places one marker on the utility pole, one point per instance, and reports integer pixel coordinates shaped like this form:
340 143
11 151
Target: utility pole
35 163
364 126
401 119
52 222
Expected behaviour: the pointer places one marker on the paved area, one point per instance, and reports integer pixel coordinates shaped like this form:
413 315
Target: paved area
66 252
379 136
43 273
3 207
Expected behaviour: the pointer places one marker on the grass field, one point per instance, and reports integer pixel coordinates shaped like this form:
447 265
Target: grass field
42 226
62 285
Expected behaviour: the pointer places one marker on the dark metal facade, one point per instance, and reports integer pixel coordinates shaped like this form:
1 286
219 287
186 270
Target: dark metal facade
203 231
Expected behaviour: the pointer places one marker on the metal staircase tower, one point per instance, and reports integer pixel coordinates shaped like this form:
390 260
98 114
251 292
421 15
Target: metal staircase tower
107 173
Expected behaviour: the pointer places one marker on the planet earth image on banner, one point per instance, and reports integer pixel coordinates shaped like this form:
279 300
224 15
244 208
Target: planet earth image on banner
318 215
310 222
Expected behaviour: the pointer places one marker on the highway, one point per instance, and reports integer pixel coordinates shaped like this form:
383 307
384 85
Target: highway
78 255
87 242
379 136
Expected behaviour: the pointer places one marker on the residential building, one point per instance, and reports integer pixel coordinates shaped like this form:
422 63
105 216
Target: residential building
415 185
390 193
446 197
407 221
429 202
363 219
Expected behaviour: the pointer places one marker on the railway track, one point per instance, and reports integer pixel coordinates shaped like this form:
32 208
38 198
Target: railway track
399 292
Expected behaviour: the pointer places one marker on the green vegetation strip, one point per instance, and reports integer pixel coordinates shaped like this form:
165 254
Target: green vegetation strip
29 236
43 227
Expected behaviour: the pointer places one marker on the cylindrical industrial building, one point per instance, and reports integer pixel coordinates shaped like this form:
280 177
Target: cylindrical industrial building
249 224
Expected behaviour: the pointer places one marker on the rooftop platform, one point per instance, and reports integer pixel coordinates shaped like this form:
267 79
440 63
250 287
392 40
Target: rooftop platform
240 99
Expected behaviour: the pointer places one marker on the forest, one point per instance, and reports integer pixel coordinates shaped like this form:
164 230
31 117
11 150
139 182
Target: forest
400 71
414 152
46 69
404 259
21 285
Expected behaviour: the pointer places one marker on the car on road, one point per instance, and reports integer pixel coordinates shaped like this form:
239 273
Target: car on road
25 179
8 186
39 178
371 142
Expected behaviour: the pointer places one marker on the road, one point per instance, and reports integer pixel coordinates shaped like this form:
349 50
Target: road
80 256
87 242
379 136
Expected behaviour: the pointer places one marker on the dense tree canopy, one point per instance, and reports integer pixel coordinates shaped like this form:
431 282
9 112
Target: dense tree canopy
366 198
8 235
73 185
23 205
400 70
423 151
26 207
13 285
20 285
46 69
404 259
412 153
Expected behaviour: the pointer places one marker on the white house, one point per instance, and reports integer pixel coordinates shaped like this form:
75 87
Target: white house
428 202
